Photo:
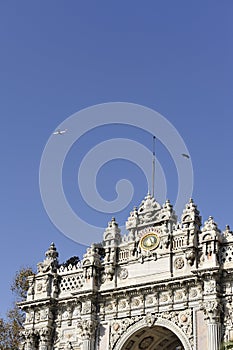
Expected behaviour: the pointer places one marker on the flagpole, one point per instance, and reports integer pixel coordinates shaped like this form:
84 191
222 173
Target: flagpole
153 169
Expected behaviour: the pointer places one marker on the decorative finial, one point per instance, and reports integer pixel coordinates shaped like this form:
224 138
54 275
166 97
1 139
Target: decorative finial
51 252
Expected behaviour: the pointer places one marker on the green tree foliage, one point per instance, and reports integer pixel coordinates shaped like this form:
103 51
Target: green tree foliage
11 328
20 283
5 336
71 261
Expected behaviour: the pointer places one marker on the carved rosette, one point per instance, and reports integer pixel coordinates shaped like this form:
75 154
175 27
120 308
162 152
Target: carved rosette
135 302
179 263
179 295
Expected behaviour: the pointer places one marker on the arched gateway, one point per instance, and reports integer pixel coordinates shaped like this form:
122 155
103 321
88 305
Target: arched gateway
152 334
163 286
157 338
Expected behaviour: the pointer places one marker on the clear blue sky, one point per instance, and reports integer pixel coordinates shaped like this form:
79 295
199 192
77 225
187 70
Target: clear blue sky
58 57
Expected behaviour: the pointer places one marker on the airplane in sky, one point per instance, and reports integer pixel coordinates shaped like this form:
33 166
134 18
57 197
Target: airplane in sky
60 132
185 155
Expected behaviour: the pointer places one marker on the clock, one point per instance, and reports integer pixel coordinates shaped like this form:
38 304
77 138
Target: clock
150 241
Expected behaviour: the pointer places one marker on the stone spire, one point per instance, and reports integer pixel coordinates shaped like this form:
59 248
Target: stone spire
167 212
211 228
50 263
148 209
51 253
191 216
112 238
133 219
210 239
227 234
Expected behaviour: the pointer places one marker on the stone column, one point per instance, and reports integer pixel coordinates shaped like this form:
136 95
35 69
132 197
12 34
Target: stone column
29 343
214 335
45 343
212 310
87 344
87 329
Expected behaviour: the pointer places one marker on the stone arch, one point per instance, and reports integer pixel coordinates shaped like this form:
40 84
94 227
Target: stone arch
160 322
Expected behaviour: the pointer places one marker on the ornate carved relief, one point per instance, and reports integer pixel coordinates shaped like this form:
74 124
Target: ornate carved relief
212 310
135 302
122 273
210 287
86 328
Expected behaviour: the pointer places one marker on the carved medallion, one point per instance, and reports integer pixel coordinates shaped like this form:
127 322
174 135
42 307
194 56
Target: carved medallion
122 304
193 293
123 274
179 263
163 298
135 302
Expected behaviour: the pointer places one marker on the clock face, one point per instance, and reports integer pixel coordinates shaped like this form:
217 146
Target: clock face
149 241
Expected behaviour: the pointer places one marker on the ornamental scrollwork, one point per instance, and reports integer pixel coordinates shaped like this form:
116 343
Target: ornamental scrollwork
118 327
183 319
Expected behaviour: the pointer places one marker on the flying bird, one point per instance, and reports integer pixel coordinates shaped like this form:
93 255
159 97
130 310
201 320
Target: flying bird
60 132
185 155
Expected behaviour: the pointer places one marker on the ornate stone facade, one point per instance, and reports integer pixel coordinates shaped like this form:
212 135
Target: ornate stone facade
165 285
